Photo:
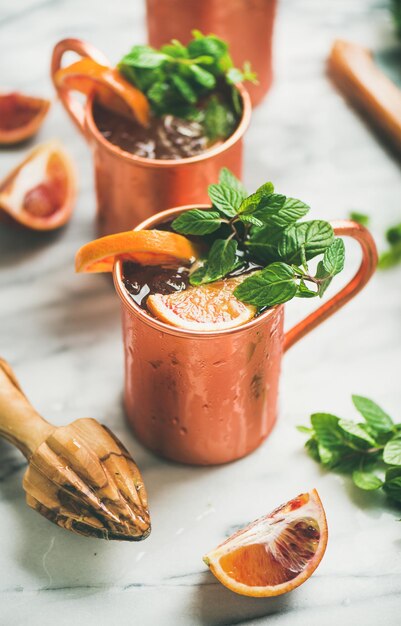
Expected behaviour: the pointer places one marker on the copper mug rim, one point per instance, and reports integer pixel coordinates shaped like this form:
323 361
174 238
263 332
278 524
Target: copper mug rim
341 228
162 326
147 162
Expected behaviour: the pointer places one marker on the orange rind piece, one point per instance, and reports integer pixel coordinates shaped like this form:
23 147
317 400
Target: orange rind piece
110 87
146 247
40 192
21 116
276 553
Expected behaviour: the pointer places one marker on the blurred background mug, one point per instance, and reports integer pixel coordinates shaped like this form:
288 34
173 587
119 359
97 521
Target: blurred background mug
246 25
206 398
130 188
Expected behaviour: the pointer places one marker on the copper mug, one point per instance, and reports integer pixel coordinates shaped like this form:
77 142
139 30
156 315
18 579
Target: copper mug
206 398
247 26
130 188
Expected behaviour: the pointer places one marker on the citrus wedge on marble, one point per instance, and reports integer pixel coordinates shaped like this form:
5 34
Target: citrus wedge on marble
40 192
209 307
146 247
276 553
21 116
111 89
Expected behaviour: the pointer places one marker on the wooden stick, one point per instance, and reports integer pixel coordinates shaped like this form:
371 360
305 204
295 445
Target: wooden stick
354 71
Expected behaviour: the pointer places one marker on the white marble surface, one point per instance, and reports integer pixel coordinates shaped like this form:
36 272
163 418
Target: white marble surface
61 332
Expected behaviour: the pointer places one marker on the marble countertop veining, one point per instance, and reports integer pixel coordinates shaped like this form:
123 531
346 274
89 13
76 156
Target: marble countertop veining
61 332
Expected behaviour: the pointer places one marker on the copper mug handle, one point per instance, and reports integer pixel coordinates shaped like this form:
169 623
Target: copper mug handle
342 228
73 107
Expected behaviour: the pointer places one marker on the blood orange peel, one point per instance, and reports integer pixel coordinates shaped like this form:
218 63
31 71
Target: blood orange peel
276 553
21 116
40 192
111 89
146 247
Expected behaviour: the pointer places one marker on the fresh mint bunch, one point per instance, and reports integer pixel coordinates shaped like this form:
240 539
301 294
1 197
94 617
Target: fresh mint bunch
370 450
178 79
263 227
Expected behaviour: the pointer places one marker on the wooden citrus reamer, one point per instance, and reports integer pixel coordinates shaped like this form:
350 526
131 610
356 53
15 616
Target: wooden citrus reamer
79 476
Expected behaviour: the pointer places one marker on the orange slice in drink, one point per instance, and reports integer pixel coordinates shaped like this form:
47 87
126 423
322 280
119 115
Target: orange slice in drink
147 247
207 307
111 89
276 553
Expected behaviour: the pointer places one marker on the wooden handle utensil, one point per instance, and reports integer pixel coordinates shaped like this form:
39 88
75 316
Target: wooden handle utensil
79 476
354 71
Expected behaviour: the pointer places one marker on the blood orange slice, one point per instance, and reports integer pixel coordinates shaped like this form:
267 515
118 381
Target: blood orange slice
111 89
207 307
40 192
147 247
20 117
276 553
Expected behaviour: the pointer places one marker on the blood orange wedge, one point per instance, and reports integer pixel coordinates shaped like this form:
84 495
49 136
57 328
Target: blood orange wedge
111 89
147 247
20 117
40 192
207 307
276 553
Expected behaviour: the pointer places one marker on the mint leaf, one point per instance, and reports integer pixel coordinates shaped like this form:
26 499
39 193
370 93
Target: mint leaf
264 243
390 258
234 75
221 259
219 120
175 49
393 488
203 77
326 429
252 202
393 234
291 211
374 416
332 264
312 449
357 432
311 237
304 429
366 480
333 258
392 452
224 198
197 222
360 218
270 206
184 88
226 177
251 219
273 285
199 276
206 45
393 472
144 57
304 291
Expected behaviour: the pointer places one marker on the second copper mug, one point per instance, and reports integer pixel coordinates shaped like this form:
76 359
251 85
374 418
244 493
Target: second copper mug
206 398
130 188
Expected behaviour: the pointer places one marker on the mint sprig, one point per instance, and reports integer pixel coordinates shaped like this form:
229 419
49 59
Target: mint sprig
194 82
370 451
263 227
